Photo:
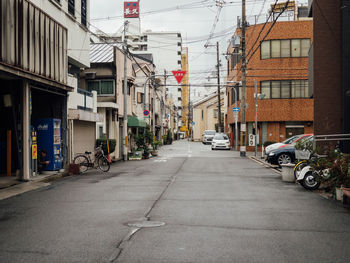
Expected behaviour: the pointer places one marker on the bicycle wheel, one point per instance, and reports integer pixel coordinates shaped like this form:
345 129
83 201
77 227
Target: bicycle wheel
103 164
83 163
298 167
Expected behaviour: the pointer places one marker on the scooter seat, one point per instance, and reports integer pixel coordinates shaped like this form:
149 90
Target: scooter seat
87 152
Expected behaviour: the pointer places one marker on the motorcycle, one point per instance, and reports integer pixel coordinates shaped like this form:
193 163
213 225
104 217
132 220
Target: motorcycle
310 178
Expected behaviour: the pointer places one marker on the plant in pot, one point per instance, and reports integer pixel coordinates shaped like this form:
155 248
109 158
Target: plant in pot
340 176
155 146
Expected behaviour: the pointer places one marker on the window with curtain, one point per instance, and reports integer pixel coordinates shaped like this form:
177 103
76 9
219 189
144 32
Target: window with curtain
284 48
275 48
295 48
275 89
305 47
284 89
266 89
265 50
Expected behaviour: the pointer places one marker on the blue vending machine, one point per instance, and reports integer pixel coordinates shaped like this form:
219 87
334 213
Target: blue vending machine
49 138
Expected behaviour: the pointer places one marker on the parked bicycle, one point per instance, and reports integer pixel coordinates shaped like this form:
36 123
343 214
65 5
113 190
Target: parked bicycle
85 162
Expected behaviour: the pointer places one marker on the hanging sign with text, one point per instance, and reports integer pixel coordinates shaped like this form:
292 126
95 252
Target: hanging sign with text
131 9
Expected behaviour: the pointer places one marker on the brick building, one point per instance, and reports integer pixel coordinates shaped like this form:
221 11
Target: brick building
280 68
329 67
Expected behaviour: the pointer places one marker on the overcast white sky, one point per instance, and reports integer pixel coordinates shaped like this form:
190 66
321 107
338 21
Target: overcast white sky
193 23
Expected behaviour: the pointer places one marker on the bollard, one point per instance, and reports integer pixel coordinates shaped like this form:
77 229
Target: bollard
262 152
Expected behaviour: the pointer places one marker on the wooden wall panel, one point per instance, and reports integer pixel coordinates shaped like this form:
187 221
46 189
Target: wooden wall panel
31 40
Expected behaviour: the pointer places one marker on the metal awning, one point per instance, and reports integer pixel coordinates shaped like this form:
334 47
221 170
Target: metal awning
133 121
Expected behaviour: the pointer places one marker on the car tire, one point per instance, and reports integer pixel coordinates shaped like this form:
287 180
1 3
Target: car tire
284 158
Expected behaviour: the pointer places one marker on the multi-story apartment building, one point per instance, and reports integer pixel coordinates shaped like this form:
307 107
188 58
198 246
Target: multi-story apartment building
41 43
279 66
329 68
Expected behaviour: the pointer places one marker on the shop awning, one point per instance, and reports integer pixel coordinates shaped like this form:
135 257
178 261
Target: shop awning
133 121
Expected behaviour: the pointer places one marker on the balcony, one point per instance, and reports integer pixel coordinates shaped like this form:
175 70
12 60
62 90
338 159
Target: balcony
82 104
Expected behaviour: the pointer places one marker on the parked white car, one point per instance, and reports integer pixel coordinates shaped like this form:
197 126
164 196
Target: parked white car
208 136
220 141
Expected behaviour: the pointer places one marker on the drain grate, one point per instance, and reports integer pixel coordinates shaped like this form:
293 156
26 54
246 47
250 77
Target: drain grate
143 224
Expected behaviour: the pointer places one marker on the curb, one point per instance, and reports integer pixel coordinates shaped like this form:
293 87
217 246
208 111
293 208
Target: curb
267 165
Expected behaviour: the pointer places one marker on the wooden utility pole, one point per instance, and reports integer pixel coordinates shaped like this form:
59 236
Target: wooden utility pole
218 76
244 84
125 88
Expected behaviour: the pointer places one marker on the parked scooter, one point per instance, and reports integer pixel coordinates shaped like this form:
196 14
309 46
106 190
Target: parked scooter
310 179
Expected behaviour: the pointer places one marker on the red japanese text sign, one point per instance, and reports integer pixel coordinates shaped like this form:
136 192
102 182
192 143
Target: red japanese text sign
131 9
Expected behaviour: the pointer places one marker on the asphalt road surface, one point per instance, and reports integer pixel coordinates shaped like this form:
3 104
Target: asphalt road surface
190 204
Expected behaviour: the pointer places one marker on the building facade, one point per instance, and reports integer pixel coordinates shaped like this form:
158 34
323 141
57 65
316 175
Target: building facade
329 67
279 67
205 114
42 47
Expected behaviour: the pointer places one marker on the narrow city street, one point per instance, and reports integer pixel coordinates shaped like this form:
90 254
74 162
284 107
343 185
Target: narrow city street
215 206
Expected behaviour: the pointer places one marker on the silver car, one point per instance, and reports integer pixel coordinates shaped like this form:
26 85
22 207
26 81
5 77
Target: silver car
220 141
208 136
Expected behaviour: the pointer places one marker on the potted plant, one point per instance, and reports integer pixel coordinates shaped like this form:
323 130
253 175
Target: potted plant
155 146
340 176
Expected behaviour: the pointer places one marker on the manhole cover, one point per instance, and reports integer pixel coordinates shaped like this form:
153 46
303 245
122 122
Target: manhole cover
141 224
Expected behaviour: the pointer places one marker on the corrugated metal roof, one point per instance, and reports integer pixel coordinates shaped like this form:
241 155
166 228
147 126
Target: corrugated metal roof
101 53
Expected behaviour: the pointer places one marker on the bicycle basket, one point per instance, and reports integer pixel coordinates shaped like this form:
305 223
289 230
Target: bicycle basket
302 154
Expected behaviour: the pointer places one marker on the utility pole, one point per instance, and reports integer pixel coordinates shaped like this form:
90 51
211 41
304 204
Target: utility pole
162 109
244 83
189 112
125 120
219 100
256 115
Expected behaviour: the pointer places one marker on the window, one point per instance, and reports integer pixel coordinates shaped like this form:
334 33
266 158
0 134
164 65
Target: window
103 87
83 12
215 113
265 89
179 53
235 59
275 48
305 47
179 44
265 50
275 89
296 48
202 114
284 89
179 62
140 97
71 7
285 48
178 35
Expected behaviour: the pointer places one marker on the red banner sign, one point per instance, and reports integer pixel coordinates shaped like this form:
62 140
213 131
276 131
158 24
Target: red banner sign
179 75
131 9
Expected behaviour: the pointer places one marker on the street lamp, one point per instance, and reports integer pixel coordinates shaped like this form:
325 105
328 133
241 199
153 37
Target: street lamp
257 96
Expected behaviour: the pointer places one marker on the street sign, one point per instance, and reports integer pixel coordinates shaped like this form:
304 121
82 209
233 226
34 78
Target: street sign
179 75
235 109
251 140
146 113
